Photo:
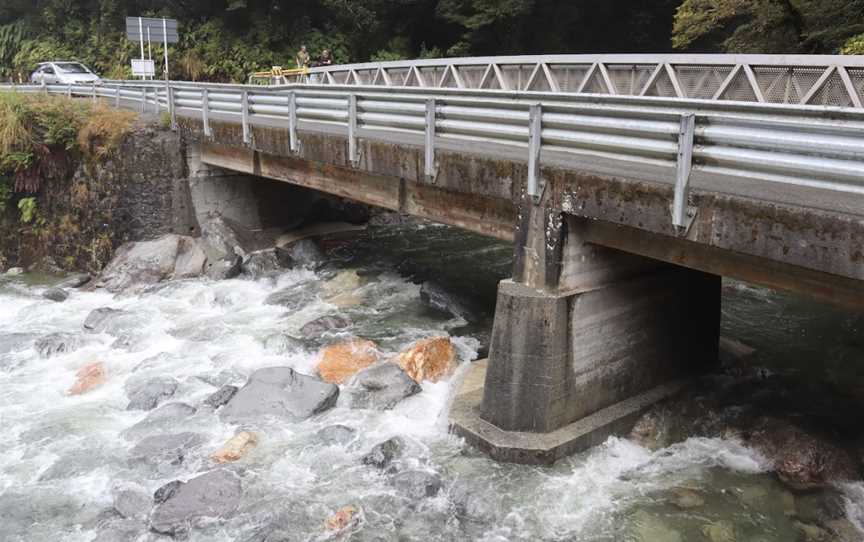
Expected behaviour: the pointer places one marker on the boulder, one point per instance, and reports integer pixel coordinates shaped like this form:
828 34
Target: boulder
381 455
686 498
319 326
143 263
108 320
236 447
280 392
221 396
122 530
416 484
720 531
435 296
89 377
165 492
58 295
295 296
343 282
14 271
338 362
379 387
280 343
260 263
429 359
303 253
131 503
336 435
169 412
652 430
802 460
191 261
55 344
344 519
226 267
146 394
213 495
170 449
647 527
75 280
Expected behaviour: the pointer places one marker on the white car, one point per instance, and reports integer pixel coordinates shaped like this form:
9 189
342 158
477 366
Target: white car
64 73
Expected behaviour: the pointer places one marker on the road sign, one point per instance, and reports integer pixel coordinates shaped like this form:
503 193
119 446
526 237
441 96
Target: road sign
160 30
143 67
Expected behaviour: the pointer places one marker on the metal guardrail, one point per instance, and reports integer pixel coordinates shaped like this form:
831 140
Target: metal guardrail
834 80
719 144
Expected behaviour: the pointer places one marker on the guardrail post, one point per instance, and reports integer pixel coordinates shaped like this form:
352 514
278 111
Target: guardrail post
429 155
117 96
143 100
682 214
172 107
244 115
68 91
93 92
292 122
205 111
352 129
44 87
535 129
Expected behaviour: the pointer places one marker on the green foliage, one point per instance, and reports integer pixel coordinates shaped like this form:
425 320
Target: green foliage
27 208
853 46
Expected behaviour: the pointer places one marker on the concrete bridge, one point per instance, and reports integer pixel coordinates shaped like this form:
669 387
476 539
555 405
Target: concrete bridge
627 201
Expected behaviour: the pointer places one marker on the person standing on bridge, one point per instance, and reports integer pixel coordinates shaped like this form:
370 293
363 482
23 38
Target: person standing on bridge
326 59
302 58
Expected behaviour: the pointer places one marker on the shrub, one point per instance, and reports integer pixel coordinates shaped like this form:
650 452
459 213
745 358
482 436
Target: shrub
104 130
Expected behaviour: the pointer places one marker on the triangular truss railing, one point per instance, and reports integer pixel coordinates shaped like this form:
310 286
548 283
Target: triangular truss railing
788 79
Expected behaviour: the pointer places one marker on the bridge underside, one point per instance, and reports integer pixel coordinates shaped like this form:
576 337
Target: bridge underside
609 307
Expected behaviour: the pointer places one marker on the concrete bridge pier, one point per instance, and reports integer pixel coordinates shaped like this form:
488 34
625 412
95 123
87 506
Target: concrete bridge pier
585 339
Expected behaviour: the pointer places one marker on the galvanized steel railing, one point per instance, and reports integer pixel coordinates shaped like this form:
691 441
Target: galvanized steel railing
761 150
789 79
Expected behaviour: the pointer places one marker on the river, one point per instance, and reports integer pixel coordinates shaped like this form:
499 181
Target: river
64 457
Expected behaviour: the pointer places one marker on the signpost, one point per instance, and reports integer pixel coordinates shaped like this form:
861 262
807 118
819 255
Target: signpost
164 30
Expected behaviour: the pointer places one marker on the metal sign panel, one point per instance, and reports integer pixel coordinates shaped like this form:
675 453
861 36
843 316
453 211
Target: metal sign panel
142 67
137 32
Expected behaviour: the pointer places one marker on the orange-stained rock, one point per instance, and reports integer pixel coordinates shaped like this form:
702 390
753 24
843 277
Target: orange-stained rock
90 376
236 447
346 517
339 362
429 359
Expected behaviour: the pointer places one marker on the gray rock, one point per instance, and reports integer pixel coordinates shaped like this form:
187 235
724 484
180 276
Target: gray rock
434 295
224 268
280 343
108 320
295 296
55 344
221 396
190 262
379 387
170 412
215 494
319 326
14 271
261 263
416 484
75 463
131 503
384 453
76 280
166 491
333 435
123 530
304 253
169 449
280 392
136 265
57 295
146 394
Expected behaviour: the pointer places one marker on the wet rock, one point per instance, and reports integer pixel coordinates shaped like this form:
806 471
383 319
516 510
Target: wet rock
57 295
108 320
131 503
215 494
802 461
75 463
237 446
647 527
55 344
169 412
384 453
279 392
89 377
434 295
820 506
686 498
333 435
813 533
379 387
343 282
147 394
843 530
338 362
139 264
344 519
280 343
429 359
168 449
75 280
190 262
416 484
121 531
319 326
221 396
719 531
166 491
226 267
295 296
14 271
303 253
651 430
261 263
470 504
